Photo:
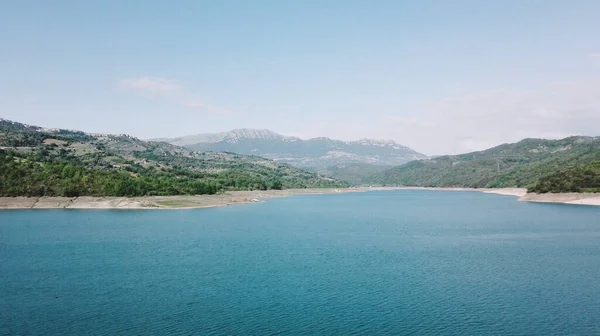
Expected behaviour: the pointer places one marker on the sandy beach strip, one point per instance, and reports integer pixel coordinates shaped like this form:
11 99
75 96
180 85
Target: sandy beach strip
566 198
518 192
523 195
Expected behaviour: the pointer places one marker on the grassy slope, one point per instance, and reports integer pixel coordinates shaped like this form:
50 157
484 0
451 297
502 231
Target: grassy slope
510 165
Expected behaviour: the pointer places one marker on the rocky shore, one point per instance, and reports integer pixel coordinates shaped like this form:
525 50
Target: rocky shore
157 202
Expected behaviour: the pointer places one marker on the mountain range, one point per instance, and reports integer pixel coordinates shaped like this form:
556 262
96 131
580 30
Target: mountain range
316 152
350 160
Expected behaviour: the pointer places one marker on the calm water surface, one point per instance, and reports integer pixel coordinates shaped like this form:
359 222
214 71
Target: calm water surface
378 263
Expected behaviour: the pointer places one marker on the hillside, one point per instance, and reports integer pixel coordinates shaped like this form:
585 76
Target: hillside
315 153
519 164
582 178
35 161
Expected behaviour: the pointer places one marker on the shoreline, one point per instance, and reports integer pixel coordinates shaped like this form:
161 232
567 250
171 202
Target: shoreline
592 199
256 196
180 202
564 198
518 192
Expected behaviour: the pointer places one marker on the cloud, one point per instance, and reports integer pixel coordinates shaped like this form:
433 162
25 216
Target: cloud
168 90
150 84
483 119
594 59
409 121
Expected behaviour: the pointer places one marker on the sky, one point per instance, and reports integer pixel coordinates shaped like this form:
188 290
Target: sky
442 77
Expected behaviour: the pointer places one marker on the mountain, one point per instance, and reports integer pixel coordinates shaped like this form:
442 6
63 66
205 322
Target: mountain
520 164
232 137
36 161
320 154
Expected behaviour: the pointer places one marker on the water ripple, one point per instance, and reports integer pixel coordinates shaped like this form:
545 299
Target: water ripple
371 264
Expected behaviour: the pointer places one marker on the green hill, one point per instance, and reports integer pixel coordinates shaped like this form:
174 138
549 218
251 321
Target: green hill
583 178
53 162
519 164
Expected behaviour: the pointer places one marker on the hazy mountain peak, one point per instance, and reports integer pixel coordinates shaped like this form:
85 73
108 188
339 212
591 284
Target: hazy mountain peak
315 152
249 133
233 136
380 143
320 139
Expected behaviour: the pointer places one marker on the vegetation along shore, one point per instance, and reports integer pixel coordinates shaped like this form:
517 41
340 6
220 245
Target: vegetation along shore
57 168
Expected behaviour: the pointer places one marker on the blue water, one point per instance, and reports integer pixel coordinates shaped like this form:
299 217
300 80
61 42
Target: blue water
378 263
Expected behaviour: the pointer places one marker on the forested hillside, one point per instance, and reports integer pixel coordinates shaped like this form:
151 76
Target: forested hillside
510 165
52 162
583 178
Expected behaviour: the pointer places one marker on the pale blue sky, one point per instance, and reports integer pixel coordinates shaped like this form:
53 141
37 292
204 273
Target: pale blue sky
439 76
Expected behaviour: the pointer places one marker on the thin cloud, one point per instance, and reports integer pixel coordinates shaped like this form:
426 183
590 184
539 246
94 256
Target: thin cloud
169 90
150 84
595 56
409 121
480 120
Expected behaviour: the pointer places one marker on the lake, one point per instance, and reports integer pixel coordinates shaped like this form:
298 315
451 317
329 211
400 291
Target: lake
408 262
